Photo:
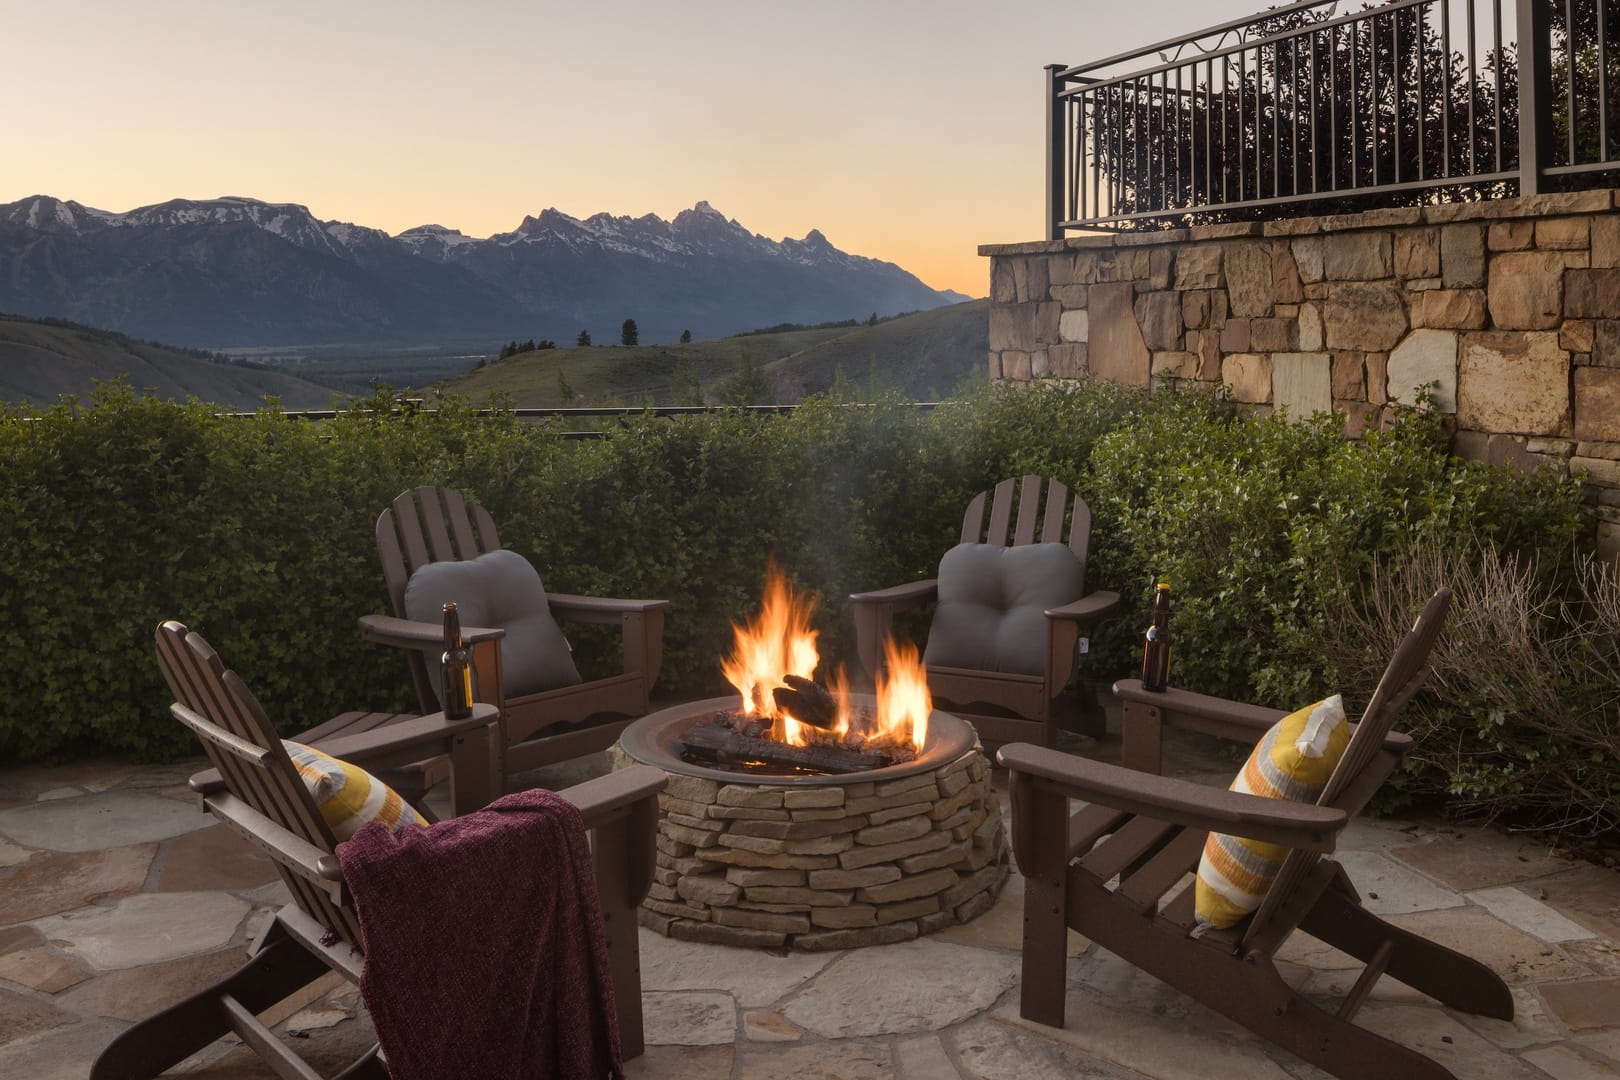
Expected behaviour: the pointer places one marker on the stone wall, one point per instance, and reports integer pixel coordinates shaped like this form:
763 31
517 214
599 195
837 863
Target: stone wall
1508 311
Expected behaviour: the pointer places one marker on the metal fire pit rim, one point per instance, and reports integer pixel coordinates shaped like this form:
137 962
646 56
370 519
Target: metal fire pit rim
653 739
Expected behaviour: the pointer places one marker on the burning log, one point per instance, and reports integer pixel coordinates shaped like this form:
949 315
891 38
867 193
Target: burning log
721 743
807 701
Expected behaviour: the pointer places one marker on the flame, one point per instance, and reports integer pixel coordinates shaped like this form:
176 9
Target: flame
780 641
903 700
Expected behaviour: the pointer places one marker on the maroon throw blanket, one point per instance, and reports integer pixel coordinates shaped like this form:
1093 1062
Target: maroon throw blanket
485 955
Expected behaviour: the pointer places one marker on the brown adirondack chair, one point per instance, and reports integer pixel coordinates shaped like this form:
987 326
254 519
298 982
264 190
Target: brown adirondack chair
428 525
255 790
1147 831
1025 706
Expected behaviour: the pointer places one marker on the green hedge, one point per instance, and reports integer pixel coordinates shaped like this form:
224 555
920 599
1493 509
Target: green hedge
125 510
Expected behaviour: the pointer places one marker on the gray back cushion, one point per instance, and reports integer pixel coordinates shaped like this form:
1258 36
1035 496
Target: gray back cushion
499 588
992 604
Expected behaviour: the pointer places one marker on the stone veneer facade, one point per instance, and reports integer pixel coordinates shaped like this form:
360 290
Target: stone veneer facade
829 866
1509 311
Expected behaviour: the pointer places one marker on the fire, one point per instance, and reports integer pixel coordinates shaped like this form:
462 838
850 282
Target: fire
781 641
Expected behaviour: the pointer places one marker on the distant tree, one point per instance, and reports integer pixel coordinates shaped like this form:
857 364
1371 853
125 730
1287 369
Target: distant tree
546 343
749 386
627 333
872 321
565 392
584 339
686 337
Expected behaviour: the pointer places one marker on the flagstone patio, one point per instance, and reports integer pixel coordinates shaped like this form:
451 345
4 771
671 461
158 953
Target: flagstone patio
118 896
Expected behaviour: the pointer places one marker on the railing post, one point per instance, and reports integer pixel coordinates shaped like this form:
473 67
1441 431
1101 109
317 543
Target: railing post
1055 145
1535 93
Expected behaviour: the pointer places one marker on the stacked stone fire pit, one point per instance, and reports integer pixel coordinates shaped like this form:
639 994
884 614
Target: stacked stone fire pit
821 862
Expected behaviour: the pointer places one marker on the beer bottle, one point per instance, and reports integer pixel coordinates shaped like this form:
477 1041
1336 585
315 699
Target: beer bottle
1156 645
457 697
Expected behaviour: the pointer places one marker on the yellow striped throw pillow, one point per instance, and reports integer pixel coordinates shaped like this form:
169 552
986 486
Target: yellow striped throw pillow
347 796
1292 761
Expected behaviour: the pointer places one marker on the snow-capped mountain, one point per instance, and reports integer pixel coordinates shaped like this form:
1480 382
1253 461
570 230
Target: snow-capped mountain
238 271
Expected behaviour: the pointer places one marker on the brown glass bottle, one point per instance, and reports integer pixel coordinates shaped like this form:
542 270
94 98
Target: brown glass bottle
457 697
1156 643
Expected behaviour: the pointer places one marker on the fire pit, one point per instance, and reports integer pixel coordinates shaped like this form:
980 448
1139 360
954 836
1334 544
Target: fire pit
785 853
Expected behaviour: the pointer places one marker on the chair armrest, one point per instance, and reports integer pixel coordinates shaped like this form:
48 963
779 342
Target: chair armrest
605 798
1201 712
599 609
1304 826
900 597
409 634
1089 607
406 741
299 856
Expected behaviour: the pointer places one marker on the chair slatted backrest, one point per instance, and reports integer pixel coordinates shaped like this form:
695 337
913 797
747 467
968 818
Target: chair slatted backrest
1366 763
1052 520
243 745
428 525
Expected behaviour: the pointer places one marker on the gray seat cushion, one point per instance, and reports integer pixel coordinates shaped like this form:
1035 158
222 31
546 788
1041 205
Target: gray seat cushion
499 588
992 604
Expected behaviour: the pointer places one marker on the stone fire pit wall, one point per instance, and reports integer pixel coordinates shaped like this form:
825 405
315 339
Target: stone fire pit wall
830 866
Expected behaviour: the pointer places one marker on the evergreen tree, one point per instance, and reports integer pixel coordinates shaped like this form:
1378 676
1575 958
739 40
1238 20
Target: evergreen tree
583 340
627 334
686 337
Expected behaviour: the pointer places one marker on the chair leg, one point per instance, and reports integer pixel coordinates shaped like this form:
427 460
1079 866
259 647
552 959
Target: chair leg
166 1038
1444 974
616 880
1041 844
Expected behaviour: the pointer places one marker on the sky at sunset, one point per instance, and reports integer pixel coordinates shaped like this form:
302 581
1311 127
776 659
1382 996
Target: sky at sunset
905 130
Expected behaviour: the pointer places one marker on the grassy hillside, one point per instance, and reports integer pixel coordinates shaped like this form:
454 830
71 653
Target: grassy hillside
924 356
40 361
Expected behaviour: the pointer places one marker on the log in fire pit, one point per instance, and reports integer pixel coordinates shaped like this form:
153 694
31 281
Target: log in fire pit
808 817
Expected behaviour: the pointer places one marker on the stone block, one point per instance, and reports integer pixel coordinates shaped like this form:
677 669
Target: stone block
1308 258
1060 270
909 909
1235 335
1562 234
1273 335
951 783
1451 309
680 806
1302 383
1029 275
692 789
762 920
1357 256
987 878
1040 364
928 883
919 782
1605 229
1181 366
1074 325
1161 261
854 879
815 797
1604 471
1248 277
1526 290
1068 361
1516 383
1368 316
1115 349
746 813
744 876
1358 417
1607 548
895 813
844 918
895 831
1349 376
1462 256
765 845
946 856
1003 284
730 856
1208 348
1377 378
1070 296
1606 343
1159 315
710 889
976 905
1195 308
798 830
993 366
710 933
1417 253
1425 359
676 910
1285 281
832 940
1198 266
1576 336
1511 235
1592 294
1597 404
857 857
789 894
1310 328
692 838
695 822
752 797
1247 377
1016 365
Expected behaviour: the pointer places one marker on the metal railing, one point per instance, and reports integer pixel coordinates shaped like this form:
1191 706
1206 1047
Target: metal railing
1419 100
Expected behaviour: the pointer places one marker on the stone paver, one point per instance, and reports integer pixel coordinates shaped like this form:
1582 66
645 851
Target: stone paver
105 917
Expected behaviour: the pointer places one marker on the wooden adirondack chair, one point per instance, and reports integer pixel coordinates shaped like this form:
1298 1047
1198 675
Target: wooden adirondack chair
255 790
1148 831
1025 706
428 525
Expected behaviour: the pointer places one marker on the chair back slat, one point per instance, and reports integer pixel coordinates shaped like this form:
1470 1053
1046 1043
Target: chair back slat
1080 533
1052 525
973 519
1000 513
1365 764
431 515
1045 513
1029 502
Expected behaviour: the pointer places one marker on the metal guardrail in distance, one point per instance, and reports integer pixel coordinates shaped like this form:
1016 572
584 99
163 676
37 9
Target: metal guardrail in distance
1301 106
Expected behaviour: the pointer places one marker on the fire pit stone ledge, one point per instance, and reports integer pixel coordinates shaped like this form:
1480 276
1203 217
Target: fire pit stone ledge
830 866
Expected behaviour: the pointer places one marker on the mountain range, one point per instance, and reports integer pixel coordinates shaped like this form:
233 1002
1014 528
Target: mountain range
238 272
